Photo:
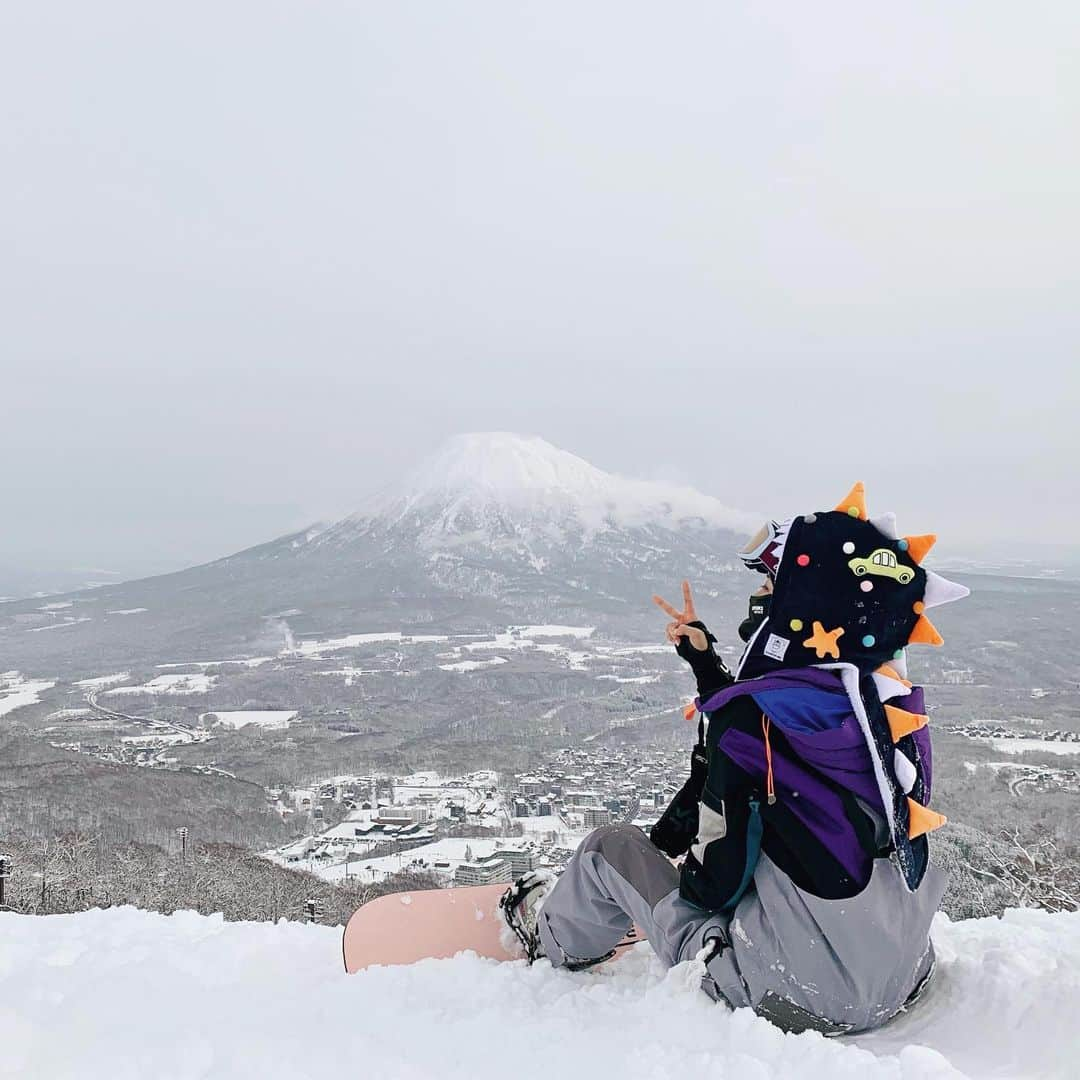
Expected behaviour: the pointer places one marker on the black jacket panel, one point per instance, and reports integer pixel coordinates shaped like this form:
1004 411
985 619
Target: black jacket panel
716 862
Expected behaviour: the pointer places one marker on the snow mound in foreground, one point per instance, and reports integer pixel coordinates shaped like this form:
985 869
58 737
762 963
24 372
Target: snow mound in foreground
124 994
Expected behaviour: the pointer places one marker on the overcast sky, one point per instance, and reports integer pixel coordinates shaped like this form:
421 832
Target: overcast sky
257 258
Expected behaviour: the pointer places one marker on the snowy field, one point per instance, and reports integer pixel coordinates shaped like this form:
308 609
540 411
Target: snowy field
473 665
1040 746
315 648
251 662
103 680
126 995
16 692
170 684
157 738
272 719
617 663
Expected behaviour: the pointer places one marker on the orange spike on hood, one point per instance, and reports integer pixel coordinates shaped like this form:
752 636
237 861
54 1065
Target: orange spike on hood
903 723
918 546
855 501
921 819
925 633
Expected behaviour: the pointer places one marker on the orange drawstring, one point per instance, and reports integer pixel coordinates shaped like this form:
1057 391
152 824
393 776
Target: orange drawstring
765 725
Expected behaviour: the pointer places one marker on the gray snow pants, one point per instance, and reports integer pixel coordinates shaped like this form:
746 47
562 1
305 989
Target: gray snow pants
834 966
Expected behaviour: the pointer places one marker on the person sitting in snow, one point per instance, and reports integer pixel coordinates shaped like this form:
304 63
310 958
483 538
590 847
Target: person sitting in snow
805 887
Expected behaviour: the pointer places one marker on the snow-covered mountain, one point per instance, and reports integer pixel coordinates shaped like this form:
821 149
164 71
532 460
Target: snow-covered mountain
500 489
126 993
493 529
493 512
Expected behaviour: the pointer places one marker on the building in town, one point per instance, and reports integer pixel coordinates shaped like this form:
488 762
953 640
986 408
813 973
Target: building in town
483 872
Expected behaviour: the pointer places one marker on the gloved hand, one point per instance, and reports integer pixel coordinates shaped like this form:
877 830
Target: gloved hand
692 640
709 670
678 825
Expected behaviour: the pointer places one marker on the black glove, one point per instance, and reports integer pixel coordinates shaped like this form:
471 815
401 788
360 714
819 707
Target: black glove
709 670
678 825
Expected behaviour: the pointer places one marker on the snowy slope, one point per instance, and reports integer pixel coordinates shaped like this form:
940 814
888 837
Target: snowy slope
124 994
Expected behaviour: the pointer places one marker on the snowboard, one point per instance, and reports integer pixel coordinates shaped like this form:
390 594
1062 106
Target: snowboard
401 928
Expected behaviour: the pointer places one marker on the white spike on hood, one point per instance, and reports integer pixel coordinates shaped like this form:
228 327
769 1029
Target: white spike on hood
888 688
886 525
940 590
899 664
905 771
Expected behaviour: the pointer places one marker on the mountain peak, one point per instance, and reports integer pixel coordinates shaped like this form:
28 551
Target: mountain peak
480 475
504 467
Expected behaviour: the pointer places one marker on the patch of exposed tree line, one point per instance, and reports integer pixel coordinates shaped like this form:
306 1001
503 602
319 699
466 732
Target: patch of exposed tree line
45 791
1011 868
78 871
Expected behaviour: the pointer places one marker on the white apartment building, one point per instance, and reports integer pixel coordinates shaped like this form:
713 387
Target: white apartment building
487 871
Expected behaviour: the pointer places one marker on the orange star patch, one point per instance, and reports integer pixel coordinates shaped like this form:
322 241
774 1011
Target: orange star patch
824 641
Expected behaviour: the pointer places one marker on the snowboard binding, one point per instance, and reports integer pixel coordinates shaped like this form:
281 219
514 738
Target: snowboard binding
520 907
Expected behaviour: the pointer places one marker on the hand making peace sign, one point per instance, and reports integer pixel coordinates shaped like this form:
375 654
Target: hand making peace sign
677 628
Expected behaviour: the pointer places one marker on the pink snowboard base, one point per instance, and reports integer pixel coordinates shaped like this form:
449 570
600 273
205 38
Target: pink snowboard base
431 924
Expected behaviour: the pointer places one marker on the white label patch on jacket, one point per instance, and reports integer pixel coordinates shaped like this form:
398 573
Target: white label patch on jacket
776 646
711 826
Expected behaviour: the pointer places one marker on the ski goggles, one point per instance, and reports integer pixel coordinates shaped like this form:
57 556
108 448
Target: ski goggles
762 551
